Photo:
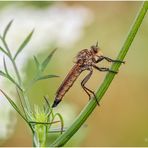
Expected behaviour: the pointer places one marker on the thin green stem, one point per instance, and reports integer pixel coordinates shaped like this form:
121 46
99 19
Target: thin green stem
17 72
13 62
60 141
17 75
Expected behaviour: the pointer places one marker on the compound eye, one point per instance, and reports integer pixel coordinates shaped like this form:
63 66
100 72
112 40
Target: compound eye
92 47
96 50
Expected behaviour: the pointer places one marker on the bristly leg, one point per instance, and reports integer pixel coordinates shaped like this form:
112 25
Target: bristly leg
100 58
111 60
104 69
87 90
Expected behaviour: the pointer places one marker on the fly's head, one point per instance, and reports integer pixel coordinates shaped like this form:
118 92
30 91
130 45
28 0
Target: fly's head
95 50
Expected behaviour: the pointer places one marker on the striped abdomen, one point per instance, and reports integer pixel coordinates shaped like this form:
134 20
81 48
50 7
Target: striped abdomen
67 83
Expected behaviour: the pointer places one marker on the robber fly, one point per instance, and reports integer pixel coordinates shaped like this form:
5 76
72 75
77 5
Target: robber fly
86 59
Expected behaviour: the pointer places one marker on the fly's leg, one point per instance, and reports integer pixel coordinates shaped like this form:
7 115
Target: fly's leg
111 60
84 82
88 91
93 94
104 69
108 59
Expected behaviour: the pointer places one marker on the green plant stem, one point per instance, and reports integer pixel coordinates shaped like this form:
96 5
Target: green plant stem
17 75
40 135
13 63
60 141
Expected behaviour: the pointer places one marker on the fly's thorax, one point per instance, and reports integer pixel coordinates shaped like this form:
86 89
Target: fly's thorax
82 53
84 57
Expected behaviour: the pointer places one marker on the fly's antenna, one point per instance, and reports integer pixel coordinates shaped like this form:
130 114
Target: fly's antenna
97 44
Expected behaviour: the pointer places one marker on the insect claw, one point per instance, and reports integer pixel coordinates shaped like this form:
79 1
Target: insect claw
113 71
120 61
89 97
96 99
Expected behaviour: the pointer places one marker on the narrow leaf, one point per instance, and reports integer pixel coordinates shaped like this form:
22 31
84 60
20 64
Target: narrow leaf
46 61
3 51
29 114
21 102
24 43
44 123
7 29
2 73
10 78
56 130
6 47
47 77
5 66
48 108
62 121
13 81
14 105
36 62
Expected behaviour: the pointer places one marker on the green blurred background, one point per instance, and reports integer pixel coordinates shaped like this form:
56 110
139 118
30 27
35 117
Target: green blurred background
121 120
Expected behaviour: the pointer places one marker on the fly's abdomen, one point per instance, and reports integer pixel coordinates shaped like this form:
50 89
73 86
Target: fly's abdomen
67 83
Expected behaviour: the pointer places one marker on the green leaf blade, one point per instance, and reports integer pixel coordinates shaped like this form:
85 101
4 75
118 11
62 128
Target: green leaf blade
36 62
57 130
24 43
5 66
47 77
62 121
7 29
43 123
13 105
10 79
13 81
47 59
2 74
3 51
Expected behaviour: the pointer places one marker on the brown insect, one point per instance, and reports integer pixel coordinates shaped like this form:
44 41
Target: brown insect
85 60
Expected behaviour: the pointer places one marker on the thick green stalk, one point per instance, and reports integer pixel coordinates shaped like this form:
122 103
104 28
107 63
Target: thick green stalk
40 135
60 141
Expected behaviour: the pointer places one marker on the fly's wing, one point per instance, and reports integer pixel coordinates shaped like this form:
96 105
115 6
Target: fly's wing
80 55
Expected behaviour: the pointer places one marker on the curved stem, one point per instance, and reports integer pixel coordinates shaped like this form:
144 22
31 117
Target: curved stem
60 141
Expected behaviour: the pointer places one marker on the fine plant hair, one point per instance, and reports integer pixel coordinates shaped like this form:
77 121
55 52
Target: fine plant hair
40 120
